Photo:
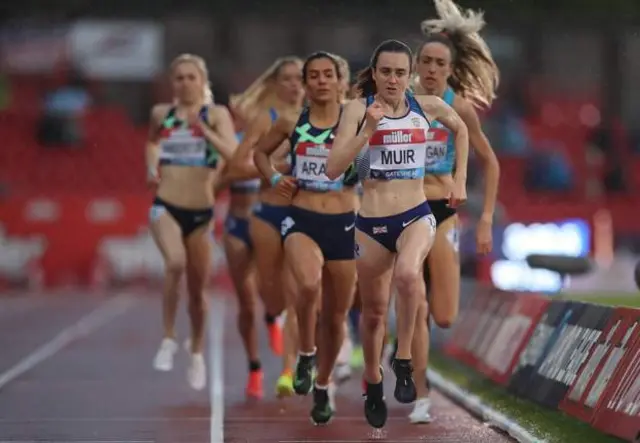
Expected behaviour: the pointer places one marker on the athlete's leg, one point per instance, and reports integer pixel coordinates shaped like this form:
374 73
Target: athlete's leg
420 354
442 275
168 237
444 266
305 260
413 246
375 269
269 257
339 287
242 271
284 385
198 245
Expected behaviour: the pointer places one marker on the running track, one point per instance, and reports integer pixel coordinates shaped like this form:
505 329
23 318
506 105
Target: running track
77 368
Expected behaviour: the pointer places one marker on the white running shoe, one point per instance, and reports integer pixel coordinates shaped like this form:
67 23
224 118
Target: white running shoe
421 411
342 372
163 360
197 372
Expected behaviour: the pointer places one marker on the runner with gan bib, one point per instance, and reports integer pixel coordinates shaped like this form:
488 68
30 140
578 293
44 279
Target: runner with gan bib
385 132
454 63
319 232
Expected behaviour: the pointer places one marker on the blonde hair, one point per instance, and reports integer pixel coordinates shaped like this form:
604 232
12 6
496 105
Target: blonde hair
475 75
201 66
345 74
259 95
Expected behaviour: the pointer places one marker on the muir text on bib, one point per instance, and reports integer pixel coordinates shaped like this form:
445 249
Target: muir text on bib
397 154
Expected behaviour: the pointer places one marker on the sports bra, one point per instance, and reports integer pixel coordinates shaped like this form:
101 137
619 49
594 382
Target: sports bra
182 144
397 149
310 147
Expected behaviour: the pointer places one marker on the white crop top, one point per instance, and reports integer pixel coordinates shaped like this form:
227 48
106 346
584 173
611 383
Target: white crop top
397 149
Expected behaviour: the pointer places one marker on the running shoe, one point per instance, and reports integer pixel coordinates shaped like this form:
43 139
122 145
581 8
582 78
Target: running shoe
421 411
275 338
375 407
163 361
284 385
405 390
304 375
357 357
323 405
254 384
197 372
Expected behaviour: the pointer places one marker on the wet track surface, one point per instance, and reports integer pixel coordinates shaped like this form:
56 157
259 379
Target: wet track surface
77 368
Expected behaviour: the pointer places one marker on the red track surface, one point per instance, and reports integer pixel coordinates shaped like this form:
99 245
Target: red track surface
94 383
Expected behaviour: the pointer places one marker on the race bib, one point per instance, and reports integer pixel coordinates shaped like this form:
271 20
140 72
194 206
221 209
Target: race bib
182 145
436 146
311 168
397 154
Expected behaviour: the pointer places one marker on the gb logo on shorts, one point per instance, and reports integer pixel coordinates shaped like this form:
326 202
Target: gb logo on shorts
286 224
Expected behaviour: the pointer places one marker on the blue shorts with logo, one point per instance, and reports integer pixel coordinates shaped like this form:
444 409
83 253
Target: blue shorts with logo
239 228
333 233
387 230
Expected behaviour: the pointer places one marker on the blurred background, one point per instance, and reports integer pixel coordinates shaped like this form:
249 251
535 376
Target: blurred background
77 83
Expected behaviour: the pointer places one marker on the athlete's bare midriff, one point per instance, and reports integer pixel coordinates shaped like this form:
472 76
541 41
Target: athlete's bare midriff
187 187
332 202
386 198
241 204
437 187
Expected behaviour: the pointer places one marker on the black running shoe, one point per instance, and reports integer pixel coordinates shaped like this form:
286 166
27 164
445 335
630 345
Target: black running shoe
322 410
303 377
375 408
405 391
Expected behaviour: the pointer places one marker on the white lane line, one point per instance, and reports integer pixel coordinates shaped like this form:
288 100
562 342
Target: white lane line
86 325
216 368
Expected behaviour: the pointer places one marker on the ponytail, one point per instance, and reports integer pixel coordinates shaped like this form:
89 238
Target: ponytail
365 85
475 75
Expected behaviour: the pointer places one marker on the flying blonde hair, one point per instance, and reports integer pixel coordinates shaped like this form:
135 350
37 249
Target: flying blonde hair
201 66
345 73
475 75
259 95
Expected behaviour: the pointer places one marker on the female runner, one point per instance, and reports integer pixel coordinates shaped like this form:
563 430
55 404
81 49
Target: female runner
395 227
319 231
277 91
186 141
453 63
342 370
238 250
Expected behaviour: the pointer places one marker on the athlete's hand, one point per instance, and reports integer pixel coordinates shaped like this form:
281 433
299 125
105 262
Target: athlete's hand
153 178
484 236
458 193
286 186
374 114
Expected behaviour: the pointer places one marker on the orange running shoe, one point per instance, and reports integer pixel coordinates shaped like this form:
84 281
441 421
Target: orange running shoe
275 338
254 384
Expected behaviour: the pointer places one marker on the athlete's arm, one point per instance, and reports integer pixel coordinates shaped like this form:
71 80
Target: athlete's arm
348 142
268 144
152 150
445 114
485 152
222 136
241 166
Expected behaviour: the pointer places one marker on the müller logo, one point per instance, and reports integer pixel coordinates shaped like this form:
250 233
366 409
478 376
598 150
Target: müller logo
396 137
